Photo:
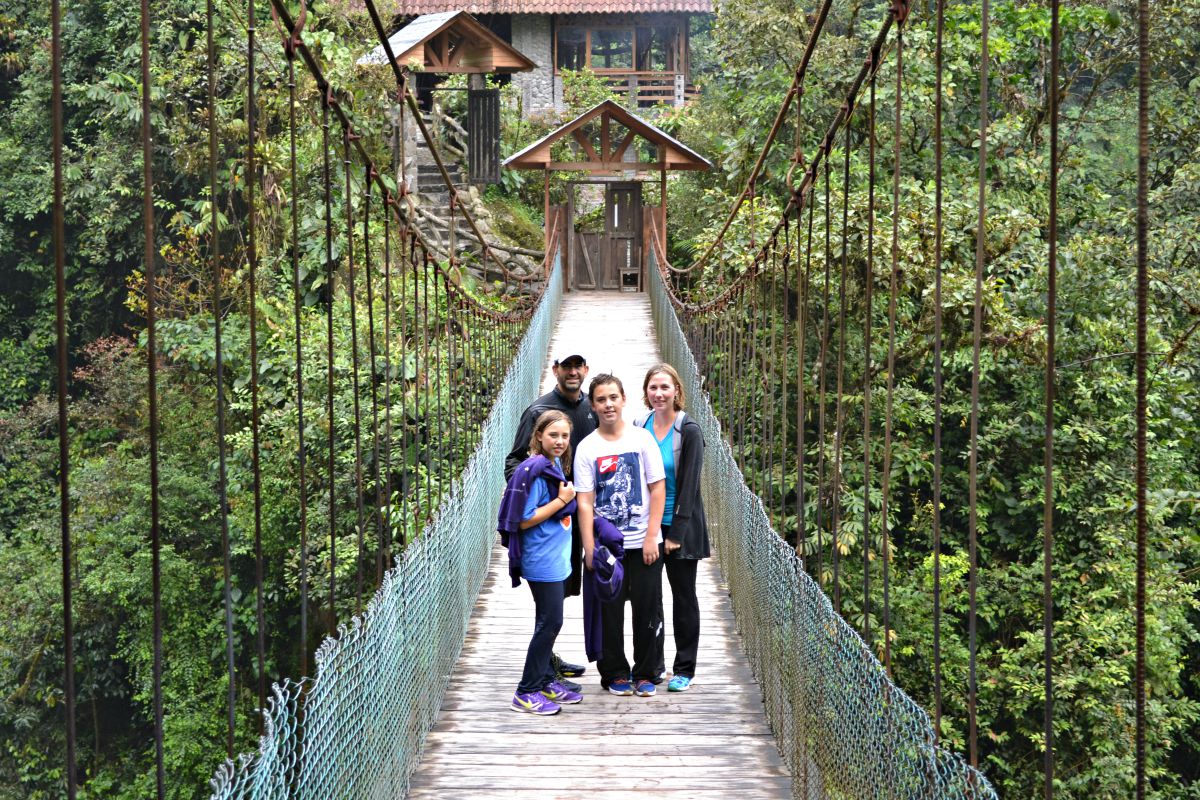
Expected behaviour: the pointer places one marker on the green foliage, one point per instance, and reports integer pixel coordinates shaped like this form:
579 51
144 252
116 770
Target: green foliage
441 374
1093 552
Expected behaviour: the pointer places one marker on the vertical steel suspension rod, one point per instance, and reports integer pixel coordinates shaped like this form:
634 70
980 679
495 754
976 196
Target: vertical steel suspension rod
219 358
1048 467
152 394
868 289
297 312
61 345
937 374
1141 411
977 339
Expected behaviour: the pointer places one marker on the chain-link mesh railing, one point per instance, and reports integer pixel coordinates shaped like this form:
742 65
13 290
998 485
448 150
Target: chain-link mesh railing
844 728
355 730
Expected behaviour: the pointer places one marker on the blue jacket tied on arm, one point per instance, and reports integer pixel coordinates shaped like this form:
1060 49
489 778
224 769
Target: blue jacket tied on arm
512 506
602 584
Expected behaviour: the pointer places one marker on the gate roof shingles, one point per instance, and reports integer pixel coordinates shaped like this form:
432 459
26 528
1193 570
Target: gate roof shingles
556 6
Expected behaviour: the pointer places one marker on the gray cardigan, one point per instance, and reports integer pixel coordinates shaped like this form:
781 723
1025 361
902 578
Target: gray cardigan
688 526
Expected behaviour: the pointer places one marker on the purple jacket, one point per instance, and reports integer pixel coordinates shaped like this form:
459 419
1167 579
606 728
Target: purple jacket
512 506
593 638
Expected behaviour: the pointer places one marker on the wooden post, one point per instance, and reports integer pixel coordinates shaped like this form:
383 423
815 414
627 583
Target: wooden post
662 200
546 209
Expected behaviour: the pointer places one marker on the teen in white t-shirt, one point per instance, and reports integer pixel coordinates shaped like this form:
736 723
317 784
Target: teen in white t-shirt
619 475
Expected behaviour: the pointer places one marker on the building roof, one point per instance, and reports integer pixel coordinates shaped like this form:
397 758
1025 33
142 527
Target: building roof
555 6
450 42
608 157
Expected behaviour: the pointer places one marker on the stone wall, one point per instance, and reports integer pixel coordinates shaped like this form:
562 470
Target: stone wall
531 34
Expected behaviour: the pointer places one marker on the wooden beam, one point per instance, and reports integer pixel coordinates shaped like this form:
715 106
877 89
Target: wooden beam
432 63
588 150
623 146
605 140
590 166
456 56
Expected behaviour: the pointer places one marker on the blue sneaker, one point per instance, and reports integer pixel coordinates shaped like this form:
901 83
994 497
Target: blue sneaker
569 684
534 703
679 683
621 687
560 694
565 669
644 688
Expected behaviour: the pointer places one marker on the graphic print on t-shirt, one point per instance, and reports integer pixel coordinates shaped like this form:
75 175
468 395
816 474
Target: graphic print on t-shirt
619 489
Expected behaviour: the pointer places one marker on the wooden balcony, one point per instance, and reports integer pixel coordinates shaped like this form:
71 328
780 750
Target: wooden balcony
642 89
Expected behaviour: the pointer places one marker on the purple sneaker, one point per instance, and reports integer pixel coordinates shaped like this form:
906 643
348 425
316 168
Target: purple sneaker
535 703
561 694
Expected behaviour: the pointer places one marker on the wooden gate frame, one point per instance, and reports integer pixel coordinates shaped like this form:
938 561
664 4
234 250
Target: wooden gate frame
606 157
568 241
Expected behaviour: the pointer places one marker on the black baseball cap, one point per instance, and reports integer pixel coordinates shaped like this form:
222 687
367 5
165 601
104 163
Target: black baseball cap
573 357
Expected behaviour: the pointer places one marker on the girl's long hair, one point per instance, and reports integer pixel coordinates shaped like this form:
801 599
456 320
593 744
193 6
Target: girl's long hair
545 420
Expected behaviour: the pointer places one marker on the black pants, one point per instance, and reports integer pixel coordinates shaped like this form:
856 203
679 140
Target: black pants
547 622
643 588
685 613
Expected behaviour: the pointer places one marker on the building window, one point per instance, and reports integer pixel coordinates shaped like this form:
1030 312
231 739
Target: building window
572 48
611 48
655 51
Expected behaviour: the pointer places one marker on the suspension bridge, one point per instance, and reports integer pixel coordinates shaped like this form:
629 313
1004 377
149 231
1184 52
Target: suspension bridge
397 698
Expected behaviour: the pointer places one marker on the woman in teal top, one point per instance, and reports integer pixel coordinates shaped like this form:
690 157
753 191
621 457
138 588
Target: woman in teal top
685 530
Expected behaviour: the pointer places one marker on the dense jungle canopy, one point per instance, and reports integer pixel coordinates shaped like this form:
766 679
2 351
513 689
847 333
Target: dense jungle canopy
745 61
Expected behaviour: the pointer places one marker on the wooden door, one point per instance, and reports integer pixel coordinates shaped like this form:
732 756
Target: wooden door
483 136
623 236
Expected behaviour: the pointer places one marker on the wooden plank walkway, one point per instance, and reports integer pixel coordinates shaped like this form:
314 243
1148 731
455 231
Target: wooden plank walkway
710 742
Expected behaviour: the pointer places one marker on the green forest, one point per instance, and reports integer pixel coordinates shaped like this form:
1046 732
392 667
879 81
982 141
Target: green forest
744 58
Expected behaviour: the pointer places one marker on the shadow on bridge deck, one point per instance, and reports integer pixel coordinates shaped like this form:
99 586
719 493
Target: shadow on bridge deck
710 742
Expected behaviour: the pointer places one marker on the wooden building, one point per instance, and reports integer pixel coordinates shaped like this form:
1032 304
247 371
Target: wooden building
640 46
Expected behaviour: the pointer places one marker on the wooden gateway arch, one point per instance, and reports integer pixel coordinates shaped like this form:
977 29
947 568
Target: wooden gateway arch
612 147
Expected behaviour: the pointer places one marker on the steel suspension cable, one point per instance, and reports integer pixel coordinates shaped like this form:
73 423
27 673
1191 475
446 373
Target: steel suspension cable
418 380
893 290
437 376
1141 410
252 275
331 424
387 384
898 10
58 233
737 323
297 312
795 91
219 358
802 348
426 438
868 288
369 280
783 377
147 142
352 294
823 377
769 370
405 261
939 58
1048 467
976 343
840 407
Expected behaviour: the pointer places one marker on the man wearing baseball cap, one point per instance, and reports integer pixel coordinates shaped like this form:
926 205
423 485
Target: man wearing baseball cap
570 372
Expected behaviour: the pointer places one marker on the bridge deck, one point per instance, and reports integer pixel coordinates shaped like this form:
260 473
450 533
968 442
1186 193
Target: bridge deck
710 742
